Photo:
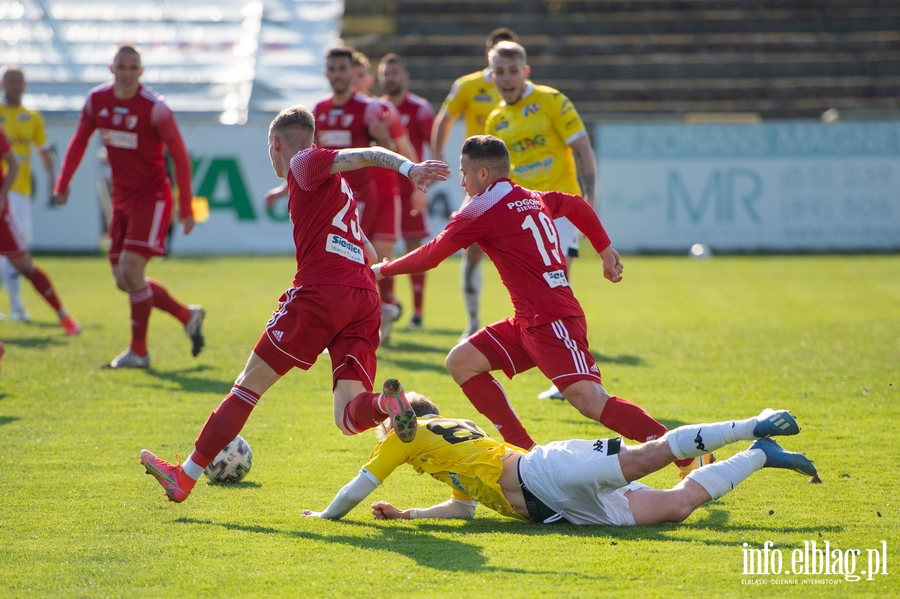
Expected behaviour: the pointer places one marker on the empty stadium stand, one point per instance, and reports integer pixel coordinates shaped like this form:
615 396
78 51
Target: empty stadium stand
659 59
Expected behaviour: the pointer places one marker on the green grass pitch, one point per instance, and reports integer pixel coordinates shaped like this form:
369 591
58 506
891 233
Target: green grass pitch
690 340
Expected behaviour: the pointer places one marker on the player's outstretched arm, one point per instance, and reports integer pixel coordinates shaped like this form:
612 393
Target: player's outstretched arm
346 499
452 508
275 194
421 174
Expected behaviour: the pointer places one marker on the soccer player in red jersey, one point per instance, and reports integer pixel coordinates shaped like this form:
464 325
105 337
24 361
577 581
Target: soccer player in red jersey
332 303
417 116
14 248
514 226
135 123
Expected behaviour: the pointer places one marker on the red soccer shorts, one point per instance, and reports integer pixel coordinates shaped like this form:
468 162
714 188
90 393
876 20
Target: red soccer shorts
12 242
559 349
140 228
411 227
314 317
380 216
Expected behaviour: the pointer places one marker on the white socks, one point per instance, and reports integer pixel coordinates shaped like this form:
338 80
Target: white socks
192 469
694 440
721 477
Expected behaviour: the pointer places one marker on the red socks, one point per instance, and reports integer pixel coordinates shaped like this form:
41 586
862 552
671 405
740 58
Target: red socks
43 286
223 425
141 306
418 289
630 420
386 290
167 303
363 413
490 399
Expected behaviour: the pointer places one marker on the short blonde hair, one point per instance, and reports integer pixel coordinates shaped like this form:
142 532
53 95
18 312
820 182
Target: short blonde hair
508 49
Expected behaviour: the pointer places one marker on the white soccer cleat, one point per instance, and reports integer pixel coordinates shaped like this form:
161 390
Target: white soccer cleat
129 359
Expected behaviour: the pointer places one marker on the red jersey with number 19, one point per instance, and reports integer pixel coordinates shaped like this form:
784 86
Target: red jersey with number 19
326 227
514 226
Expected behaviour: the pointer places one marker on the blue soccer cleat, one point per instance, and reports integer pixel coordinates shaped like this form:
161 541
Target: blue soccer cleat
778 457
774 423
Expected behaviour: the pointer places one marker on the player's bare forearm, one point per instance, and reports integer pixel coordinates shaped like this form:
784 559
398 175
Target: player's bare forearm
352 159
382 510
585 165
439 133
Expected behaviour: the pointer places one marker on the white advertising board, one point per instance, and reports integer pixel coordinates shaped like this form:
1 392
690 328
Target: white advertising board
767 187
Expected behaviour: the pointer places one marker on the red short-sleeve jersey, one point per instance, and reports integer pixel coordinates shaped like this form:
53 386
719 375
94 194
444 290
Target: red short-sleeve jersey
325 224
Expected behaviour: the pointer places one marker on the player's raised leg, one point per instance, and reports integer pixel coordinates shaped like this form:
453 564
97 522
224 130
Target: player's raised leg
44 287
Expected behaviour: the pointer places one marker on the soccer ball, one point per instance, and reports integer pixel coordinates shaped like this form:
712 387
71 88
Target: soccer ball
232 464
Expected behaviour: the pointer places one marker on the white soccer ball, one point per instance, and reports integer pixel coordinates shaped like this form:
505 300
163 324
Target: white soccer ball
232 464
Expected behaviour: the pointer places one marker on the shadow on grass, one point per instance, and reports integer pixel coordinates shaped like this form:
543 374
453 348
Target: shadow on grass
34 342
435 552
8 419
620 359
193 384
413 365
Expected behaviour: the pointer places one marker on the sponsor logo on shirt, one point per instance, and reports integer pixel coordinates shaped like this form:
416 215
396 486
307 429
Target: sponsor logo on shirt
526 169
503 124
557 278
104 112
119 139
334 139
566 107
531 109
347 120
454 478
24 117
524 205
340 246
131 121
528 143
484 98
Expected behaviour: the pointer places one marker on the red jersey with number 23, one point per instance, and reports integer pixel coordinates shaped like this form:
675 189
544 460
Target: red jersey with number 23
326 227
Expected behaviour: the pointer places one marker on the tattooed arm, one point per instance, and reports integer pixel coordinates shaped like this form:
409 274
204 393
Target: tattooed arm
421 173
585 163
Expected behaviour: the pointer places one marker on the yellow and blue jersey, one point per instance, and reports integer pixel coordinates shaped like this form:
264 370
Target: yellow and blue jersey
538 130
455 452
23 127
474 96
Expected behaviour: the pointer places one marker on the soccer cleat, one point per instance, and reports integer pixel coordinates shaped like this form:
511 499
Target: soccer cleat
704 460
174 481
19 314
398 312
70 325
403 418
551 393
129 359
415 323
772 423
778 457
194 329
389 313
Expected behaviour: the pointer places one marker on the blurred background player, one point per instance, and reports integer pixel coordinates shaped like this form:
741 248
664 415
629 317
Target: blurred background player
548 144
332 303
417 116
387 185
473 96
23 127
135 123
12 242
577 481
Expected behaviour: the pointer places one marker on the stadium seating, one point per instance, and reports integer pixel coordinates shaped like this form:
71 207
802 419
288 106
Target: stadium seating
642 59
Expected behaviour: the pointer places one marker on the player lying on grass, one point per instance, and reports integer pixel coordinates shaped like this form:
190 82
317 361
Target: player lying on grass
579 481
548 330
332 303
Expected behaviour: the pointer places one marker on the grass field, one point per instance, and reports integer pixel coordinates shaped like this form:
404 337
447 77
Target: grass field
690 340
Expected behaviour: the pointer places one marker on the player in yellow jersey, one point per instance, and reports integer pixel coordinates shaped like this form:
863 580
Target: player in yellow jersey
579 481
473 97
23 128
548 144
